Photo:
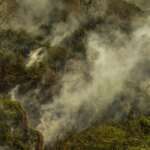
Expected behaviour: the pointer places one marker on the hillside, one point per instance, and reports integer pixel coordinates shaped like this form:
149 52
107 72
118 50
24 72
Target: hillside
74 75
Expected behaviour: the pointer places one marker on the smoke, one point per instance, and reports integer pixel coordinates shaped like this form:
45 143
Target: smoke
144 4
35 57
30 15
82 101
60 31
90 86
36 16
56 16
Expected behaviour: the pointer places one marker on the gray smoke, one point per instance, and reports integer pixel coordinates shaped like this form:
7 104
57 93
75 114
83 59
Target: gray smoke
83 101
88 87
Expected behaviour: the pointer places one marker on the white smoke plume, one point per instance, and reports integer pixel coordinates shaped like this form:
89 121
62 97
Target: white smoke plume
88 88
82 100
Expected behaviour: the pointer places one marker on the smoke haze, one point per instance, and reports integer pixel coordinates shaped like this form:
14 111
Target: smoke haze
88 86
82 101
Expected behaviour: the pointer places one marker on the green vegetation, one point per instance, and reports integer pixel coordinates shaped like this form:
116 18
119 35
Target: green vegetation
16 45
17 41
14 131
15 134
130 135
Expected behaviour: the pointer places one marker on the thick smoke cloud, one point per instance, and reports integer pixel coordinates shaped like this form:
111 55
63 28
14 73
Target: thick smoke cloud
83 101
88 87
